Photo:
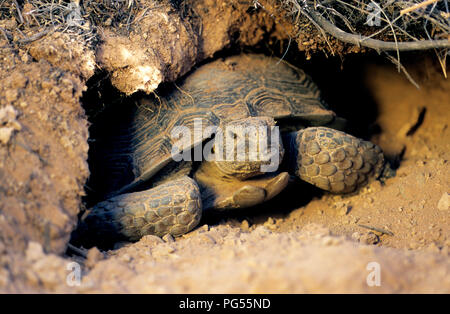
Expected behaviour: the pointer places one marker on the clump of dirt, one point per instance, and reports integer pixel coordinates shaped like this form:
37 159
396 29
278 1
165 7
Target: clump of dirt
165 46
67 52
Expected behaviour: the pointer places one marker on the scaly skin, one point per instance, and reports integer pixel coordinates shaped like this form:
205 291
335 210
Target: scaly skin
335 161
172 208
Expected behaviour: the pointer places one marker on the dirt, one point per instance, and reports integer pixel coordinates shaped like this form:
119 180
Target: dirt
406 205
326 243
43 159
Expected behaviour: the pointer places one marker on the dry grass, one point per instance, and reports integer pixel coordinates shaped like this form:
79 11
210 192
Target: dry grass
382 19
37 18
383 25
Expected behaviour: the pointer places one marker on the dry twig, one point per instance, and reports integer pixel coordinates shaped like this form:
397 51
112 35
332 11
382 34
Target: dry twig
376 44
417 6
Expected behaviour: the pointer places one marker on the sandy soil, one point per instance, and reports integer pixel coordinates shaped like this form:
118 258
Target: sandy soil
314 243
43 151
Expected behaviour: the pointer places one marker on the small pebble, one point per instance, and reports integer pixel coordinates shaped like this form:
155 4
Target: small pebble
444 202
356 235
270 224
93 257
370 238
34 251
204 228
344 210
168 238
244 225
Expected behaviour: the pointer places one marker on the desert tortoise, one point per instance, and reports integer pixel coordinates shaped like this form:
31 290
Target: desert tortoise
154 194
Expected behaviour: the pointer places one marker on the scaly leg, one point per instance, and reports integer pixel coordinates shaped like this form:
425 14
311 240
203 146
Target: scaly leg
172 208
335 161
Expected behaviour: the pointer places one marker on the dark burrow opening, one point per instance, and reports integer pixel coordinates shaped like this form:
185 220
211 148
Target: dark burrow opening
340 79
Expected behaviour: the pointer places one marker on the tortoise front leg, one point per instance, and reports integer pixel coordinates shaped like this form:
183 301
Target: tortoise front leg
222 192
333 160
172 208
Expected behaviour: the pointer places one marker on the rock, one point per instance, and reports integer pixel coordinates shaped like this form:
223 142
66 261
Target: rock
168 238
370 238
8 123
444 202
270 223
244 225
204 228
356 236
34 251
344 210
51 271
93 257
5 135
8 114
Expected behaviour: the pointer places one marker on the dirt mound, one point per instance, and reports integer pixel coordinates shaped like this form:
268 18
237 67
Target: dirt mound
43 159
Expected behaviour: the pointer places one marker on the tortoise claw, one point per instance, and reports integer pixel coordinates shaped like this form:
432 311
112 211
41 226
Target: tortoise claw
248 196
276 185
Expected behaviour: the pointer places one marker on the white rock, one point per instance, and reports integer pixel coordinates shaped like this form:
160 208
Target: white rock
34 251
5 135
444 202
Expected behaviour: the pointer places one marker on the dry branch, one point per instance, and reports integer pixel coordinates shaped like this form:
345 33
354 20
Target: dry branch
417 6
359 40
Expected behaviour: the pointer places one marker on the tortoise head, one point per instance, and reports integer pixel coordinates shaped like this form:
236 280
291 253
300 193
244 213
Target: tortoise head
248 147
